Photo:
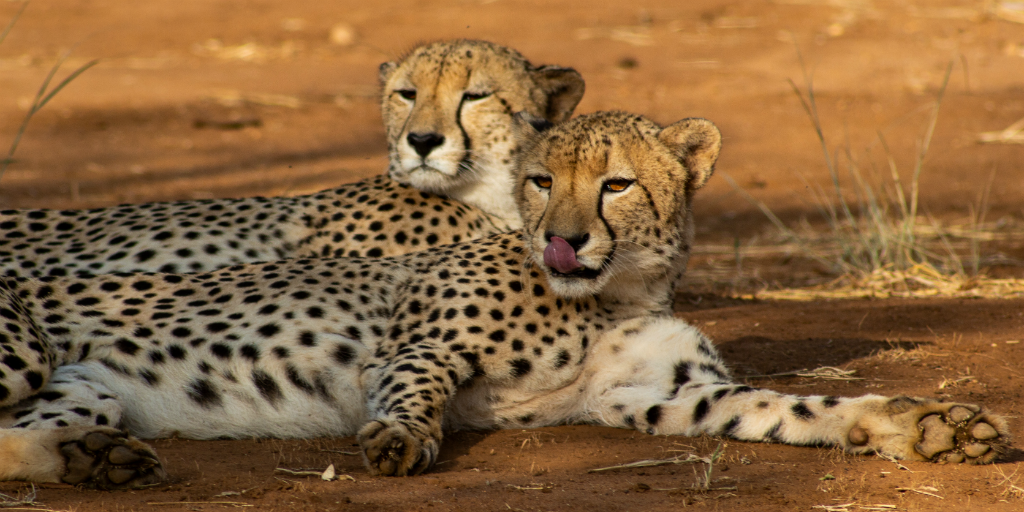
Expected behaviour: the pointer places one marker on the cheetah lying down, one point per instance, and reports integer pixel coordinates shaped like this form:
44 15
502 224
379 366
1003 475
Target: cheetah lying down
567 321
447 110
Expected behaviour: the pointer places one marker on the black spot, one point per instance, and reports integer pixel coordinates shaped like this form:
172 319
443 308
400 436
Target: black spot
653 414
148 376
344 354
101 419
13 362
220 350
35 379
729 429
176 352
701 410
250 352
772 434
266 385
682 373
801 411
269 330
126 346
307 339
203 393
830 401
520 367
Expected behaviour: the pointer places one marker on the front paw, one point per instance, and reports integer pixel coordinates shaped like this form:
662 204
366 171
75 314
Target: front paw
109 459
391 449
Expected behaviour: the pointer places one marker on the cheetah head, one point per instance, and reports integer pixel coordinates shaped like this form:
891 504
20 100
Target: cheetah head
448 110
605 200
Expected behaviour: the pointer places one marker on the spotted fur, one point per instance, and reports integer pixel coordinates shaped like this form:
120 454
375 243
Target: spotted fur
464 95
481 334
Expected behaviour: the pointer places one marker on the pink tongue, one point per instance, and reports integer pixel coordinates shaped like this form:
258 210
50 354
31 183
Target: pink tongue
560 256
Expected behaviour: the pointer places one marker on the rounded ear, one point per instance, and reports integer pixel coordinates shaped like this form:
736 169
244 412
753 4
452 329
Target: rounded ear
562 88
696 143
385 71
525 126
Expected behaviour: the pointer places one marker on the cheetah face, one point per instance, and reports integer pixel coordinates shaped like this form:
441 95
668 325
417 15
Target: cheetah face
448 110
605 198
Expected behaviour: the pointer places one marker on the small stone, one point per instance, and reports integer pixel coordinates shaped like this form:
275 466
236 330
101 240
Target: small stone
984 431
858 436
960 414
975 450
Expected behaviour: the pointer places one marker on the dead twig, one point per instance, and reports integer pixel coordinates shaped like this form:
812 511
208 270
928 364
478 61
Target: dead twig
927 491
689 459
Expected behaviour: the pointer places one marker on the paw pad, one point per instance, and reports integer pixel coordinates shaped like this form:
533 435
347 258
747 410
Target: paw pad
111 461
964 433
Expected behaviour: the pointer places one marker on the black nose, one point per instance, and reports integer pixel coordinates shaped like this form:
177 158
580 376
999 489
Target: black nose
576 242
425 142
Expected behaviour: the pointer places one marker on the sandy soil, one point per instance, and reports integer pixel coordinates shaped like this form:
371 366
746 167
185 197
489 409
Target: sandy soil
225 98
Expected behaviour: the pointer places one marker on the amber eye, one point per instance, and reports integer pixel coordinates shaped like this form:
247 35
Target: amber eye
473 96
409 94
617 185
542 181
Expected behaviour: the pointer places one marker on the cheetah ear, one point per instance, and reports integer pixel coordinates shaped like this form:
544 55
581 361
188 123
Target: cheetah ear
562 89
526 125
696 143
385 71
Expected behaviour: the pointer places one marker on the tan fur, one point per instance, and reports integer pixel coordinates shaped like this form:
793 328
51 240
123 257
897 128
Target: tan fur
465 93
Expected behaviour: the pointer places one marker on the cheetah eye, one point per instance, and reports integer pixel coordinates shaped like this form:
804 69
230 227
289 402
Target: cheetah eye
474 96
617 185
542 181
409 94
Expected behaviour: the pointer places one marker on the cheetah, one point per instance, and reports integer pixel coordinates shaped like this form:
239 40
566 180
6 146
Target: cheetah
447 108
568 320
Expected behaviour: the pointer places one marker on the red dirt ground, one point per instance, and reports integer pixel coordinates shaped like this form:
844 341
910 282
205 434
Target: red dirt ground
227 98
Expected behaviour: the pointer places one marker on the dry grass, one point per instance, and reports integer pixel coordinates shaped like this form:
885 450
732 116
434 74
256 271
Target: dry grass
878 240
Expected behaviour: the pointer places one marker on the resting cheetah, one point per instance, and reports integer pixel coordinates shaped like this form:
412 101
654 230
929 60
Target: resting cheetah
448 110
567 321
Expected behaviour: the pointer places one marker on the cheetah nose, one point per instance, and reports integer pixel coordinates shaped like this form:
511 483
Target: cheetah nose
424 143
560 256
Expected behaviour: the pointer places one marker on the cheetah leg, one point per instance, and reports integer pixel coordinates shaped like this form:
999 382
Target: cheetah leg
902 427
661 376
25 351
404 436
64 434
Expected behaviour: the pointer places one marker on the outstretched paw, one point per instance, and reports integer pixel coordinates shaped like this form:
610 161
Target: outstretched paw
391 449
937 432
964 433
110 459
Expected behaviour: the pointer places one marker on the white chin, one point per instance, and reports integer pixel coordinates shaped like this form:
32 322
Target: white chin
575 288
429 179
